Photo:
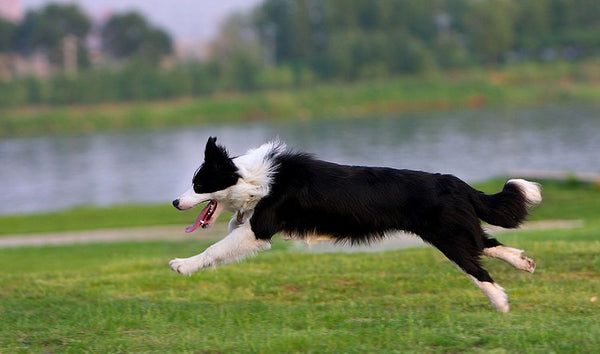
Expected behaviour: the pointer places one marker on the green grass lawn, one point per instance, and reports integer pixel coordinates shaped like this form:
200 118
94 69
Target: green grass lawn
122 297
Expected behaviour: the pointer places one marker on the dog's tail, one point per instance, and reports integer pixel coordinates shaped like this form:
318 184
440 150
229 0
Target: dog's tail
509 207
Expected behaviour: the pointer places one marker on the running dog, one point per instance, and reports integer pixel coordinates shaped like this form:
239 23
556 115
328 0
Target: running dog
273 189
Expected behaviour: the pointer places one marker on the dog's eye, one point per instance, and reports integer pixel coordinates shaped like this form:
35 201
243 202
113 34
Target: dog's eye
197 188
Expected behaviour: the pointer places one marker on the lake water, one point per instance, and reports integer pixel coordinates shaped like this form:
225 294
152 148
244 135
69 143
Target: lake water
49 173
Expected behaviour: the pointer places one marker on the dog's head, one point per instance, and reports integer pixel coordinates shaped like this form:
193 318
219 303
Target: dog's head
210 183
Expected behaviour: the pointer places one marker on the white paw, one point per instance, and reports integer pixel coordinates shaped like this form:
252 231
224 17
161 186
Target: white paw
511 256
185 266
495 293
528 264
519 261
499 299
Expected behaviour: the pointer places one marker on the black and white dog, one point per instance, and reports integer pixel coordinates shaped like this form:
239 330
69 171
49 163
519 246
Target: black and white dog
272 189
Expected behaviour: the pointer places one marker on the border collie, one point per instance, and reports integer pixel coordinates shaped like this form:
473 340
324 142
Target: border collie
272 189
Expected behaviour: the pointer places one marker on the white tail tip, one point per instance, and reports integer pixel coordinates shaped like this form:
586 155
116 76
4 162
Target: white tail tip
531 190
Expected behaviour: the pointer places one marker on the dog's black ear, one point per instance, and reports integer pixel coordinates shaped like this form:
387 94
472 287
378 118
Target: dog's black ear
211 143
214 152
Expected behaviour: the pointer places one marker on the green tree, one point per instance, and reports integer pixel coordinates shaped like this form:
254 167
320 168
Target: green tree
532 25
46 29
414 17
129 35
489 29
237 53
408 54
274 24
7 35
351 52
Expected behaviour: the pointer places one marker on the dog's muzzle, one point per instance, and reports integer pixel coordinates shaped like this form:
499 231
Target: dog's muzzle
176 204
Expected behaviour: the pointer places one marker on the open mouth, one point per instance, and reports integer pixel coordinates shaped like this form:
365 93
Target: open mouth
205 217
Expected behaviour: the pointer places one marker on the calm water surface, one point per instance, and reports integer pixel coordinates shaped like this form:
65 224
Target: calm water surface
49 173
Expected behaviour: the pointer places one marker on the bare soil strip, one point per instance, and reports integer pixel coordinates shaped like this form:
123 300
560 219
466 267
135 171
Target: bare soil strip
153 233
219 230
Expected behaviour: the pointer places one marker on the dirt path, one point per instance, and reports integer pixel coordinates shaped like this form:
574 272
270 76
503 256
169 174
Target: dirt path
217 231
151 233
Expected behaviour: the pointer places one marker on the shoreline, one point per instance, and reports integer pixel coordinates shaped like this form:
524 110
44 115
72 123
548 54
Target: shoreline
512 86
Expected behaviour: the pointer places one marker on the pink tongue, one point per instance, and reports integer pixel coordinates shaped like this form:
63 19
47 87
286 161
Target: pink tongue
204 216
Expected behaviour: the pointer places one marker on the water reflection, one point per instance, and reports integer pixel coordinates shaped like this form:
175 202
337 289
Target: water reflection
46 173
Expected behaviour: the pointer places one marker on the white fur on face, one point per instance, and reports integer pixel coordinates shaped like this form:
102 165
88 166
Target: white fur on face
256 171
190 199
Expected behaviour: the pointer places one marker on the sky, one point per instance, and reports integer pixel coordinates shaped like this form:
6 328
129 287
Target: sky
185 20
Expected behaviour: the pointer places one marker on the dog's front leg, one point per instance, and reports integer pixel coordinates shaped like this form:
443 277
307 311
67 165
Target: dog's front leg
239 244
236 221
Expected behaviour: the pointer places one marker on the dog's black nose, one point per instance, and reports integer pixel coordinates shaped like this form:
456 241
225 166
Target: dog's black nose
176 203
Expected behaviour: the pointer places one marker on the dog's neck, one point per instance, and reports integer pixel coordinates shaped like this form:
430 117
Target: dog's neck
256 169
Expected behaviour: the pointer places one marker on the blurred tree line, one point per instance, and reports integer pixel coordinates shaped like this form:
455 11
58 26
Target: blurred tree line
287 43
349 39
44 31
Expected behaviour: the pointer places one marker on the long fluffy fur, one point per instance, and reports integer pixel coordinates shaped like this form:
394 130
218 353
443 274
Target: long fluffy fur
277 190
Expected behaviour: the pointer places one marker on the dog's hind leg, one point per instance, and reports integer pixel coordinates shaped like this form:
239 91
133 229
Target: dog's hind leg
481 278
466 256
240 243
493 248
511 256
494 292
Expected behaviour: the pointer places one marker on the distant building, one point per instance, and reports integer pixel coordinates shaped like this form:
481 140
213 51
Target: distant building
11 10
12 64
191 50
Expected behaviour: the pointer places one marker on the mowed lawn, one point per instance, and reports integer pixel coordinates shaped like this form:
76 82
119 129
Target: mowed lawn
122 297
